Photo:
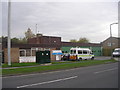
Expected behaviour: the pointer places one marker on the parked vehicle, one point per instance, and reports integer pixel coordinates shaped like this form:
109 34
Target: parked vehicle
81 54
116 52
65 56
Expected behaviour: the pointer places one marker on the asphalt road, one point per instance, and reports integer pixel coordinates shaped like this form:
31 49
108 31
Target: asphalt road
102 57
98 76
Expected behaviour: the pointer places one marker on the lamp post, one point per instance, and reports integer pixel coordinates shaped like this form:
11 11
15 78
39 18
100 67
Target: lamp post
111 36
9 36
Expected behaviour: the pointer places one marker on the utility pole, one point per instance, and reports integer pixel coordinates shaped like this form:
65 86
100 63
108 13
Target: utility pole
9 36
36 29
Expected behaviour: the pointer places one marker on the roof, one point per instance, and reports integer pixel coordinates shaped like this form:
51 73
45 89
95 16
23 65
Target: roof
48 36
36 45
76 48
74 44
110 38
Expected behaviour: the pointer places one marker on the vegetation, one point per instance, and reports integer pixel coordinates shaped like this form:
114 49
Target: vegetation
81 40
73 40
19 65
15 40
31 64
53 67
29 34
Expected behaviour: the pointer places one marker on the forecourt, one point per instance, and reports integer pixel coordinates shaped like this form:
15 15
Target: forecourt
98 76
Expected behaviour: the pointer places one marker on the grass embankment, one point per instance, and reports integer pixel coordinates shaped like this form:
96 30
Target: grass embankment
53 67
31 64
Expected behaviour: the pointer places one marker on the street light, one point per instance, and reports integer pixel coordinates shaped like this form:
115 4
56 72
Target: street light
111 36
9 36
110 29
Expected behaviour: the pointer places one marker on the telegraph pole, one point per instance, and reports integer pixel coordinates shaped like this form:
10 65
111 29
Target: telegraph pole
36 29
9 36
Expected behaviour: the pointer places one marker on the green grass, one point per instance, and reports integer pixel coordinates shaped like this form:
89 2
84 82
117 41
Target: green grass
19 64
53 67
30 64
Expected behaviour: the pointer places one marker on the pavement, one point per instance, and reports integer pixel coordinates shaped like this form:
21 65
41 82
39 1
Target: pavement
98 76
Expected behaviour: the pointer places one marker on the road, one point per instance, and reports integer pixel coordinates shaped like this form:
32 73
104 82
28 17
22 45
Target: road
98 76
102 57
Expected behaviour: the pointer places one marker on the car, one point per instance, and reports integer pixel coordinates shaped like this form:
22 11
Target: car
65 56
116 52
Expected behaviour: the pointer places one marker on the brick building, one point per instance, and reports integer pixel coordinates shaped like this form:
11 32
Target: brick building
110 44
49 40
27 52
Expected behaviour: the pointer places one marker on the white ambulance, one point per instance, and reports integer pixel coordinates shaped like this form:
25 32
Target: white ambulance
80 54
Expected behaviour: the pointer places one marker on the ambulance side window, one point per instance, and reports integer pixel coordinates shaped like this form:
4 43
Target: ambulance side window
79 51
84 51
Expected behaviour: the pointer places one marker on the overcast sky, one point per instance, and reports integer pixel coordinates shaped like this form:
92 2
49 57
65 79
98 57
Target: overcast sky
68 20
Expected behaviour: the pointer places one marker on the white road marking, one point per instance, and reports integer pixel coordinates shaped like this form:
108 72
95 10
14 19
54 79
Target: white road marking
105 70
47 82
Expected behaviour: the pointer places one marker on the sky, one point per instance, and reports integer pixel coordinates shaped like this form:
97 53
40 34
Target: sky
68 20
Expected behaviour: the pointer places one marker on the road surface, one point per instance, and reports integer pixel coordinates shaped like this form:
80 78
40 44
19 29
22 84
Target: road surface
98 76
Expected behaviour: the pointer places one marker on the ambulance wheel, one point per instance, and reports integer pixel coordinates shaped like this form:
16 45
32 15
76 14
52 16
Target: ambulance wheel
92 58
79 59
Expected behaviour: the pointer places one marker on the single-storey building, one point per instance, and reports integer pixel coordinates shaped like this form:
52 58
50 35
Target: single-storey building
27 52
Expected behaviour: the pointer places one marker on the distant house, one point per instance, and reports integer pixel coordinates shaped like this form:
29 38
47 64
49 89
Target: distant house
110 44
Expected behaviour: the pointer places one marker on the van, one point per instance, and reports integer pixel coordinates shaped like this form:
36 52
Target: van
81 54
116 52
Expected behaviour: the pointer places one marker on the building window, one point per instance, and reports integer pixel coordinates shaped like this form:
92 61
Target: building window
54 41
22 52
108 44
113 43
28 52
33 52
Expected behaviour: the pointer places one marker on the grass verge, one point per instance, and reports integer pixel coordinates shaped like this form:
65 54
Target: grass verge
53 67
19 65
31 64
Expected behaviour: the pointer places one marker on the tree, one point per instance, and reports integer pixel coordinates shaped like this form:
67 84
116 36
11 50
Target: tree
3 40
15 40
23 40
29 34
83 40
73 40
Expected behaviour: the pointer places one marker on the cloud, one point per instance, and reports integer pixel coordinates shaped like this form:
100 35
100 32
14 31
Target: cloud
69 20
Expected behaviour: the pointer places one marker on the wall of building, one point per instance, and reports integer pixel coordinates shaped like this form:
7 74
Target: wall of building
45 40
14 55
29 55
106 44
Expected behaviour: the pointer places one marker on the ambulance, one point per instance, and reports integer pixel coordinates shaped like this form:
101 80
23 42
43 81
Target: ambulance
78 53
